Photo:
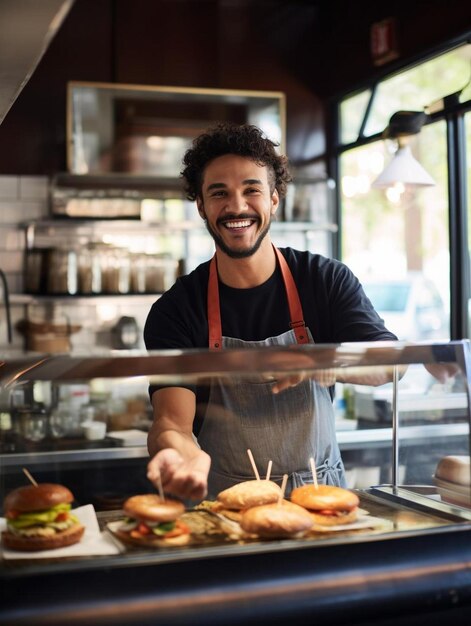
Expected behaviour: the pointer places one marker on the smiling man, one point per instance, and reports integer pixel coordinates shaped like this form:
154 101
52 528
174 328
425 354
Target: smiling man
238 198
250 294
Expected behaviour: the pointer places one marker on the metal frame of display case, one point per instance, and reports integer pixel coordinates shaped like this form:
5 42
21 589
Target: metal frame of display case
198 365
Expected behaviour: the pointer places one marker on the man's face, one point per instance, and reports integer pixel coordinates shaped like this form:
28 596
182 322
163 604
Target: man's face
237 204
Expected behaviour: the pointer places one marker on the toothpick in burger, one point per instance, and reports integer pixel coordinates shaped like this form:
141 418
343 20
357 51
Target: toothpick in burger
39 517
327 504
152 522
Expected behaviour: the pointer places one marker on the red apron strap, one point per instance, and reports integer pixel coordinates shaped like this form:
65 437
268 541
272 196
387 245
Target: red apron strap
214 313
294 304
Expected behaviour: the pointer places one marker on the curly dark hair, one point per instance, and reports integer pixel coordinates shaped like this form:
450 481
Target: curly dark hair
228 138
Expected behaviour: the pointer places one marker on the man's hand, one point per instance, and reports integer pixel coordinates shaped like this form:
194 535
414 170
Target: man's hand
372 376
180 477
324 378
443 372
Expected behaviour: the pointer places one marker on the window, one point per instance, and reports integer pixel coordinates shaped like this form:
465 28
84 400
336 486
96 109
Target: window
352 112
411 90
401 235
396 234
418 87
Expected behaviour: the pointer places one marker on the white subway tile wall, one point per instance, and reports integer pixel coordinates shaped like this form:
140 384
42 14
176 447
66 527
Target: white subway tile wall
24 198
98 318
34 188
21 198
9 187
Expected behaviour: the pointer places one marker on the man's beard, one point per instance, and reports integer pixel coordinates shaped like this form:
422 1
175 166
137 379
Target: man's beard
238 254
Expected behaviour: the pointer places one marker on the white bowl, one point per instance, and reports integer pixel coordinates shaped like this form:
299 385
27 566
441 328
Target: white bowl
94 430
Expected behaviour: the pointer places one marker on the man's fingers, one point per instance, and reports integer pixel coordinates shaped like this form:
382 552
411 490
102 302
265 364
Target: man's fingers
287 382
176 477
164 464
187 486
153 470
324 378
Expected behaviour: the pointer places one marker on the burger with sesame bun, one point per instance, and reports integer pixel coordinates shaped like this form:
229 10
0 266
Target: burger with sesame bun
152 522
38 517
327 504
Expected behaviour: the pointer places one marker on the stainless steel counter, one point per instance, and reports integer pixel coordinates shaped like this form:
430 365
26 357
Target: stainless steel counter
409 435
348 440
68 456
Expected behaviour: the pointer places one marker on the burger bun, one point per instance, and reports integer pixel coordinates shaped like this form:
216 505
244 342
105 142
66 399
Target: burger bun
249 493
279 520
151 541
36 543
37 497
152 508
327 504
338 519
324 497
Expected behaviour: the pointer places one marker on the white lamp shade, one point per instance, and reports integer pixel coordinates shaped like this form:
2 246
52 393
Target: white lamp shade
403 168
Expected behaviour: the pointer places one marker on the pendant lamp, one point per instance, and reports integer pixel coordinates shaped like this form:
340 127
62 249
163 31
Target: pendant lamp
404 168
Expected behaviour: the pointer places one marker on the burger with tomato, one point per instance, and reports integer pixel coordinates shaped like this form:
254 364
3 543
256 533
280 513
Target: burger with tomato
327 504
39 517
152 522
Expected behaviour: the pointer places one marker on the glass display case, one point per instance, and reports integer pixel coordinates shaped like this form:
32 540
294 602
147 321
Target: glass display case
82 421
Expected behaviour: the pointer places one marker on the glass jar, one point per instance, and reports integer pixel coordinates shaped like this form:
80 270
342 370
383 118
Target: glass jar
116 271
33 424
60 421
138 273
161 272
89 270
62 275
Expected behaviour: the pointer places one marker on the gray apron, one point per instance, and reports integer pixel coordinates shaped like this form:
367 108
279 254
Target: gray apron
287 428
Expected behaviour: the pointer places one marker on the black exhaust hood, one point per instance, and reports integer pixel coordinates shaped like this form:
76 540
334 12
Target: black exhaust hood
26 29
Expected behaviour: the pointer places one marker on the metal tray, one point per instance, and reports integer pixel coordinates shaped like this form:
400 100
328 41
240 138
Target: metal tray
405 513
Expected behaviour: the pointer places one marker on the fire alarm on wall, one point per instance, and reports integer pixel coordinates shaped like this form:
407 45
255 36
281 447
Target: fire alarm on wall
383 41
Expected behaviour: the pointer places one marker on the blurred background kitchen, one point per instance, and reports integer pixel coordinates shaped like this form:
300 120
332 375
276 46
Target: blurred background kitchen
323 59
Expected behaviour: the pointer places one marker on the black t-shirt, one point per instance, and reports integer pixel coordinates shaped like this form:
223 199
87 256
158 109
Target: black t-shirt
335 307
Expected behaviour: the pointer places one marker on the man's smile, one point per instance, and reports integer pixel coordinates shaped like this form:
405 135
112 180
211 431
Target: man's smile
237 223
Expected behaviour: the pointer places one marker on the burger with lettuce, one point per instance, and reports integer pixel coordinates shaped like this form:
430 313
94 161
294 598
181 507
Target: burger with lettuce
39 517
152 521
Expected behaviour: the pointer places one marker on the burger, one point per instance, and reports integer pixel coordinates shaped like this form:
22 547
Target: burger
276 521
38 517
328 505
245 495
152 522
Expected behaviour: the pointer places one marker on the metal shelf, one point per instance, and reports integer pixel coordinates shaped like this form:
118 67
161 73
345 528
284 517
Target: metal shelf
71 456
46 233
88 299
